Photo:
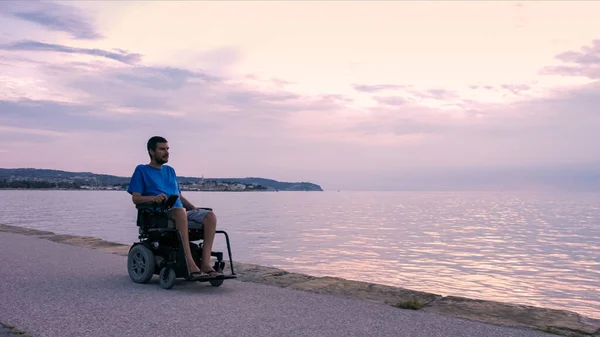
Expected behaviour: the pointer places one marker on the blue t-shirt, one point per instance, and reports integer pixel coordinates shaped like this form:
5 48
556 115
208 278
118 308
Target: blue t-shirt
151 181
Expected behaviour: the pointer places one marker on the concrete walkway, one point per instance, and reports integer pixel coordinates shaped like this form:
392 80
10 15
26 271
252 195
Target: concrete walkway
50 289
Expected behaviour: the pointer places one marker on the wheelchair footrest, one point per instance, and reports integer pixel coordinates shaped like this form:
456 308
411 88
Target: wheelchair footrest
226 277
162 230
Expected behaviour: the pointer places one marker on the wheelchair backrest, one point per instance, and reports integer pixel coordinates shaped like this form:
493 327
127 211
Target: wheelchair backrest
149 217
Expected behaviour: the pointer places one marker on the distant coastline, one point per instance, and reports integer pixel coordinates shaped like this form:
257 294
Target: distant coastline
46 179
103 189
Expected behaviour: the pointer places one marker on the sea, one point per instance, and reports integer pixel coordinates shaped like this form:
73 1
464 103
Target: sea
530 248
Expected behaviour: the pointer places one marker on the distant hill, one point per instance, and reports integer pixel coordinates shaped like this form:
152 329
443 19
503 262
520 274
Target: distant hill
46 178
270 184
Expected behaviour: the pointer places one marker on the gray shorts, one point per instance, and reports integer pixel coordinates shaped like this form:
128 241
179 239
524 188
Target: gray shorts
195 218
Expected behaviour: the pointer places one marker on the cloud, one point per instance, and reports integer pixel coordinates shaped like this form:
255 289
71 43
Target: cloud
468 96
582 63
516 88
118 55
391 100
190 93
52 16
440 94
110 97
54 117
578 71
510 139
376 88
231 112
558 130
163 78
587 55
233 120
437 93
29 131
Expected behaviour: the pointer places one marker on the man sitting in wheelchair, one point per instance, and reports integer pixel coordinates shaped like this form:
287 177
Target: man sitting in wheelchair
154 182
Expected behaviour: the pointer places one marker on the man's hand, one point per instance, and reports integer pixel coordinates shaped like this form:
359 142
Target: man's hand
159 198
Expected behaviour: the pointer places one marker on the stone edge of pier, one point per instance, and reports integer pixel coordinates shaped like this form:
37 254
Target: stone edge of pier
559 322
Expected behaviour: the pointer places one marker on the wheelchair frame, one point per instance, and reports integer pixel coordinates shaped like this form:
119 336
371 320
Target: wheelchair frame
159 250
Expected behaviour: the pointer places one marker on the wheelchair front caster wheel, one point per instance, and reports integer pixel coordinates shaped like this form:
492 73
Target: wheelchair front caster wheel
216 283
167 278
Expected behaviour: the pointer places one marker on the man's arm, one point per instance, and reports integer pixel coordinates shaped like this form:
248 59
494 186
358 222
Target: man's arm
137 187
140 199
188 205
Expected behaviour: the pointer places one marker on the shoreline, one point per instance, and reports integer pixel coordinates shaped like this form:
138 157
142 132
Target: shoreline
115 190
7 330
553 321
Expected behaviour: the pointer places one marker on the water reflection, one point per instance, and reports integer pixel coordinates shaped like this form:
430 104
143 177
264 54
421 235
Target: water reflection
535 249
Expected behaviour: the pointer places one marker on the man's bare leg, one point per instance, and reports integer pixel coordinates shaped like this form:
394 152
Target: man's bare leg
210 226
179 215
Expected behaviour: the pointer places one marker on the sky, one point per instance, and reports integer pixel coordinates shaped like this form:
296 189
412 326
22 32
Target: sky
359 95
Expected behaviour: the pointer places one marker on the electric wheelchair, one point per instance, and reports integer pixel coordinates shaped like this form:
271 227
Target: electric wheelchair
160 251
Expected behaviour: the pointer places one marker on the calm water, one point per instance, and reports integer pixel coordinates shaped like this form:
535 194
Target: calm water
536 249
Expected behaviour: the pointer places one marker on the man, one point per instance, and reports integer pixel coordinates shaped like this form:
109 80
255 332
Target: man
154 182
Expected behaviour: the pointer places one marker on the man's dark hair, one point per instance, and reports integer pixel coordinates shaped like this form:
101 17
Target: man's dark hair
152 143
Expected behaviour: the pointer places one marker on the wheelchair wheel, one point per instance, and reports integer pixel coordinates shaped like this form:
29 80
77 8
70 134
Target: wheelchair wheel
215 283
140 264
167 277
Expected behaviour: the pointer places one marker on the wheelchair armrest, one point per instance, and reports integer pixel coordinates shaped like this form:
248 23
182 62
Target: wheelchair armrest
152 206
159 206
148 205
